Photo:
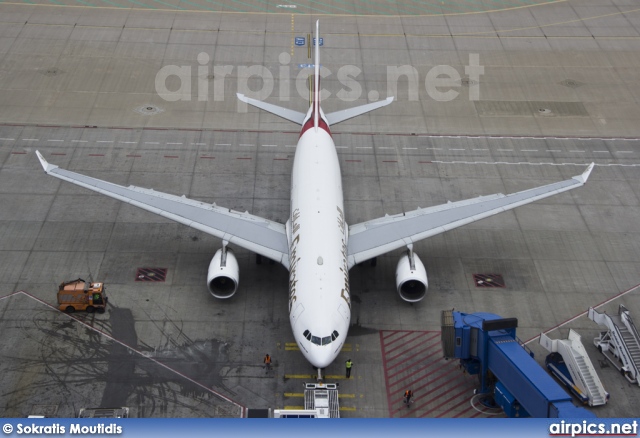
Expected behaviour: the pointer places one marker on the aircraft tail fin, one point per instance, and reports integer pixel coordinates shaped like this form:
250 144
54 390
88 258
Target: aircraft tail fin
331 118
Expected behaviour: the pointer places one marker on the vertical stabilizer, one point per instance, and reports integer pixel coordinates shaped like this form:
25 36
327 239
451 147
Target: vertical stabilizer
316 79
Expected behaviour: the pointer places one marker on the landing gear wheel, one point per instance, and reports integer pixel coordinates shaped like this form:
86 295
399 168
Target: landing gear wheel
70 309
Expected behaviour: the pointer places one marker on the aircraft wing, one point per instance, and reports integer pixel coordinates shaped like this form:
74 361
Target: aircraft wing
254 233
379 236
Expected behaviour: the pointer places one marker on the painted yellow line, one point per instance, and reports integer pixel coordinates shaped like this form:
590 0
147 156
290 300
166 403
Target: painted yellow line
301 394
297 376
342 408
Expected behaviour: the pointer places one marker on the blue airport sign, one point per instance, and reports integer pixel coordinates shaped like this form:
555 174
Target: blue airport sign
299 41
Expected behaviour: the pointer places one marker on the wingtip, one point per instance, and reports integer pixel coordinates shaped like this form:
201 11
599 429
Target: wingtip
45 164
585 175
242 97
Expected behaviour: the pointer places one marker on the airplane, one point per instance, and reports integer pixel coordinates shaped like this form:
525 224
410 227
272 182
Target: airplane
316 244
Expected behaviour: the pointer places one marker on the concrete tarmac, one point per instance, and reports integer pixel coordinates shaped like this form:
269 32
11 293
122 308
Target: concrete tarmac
79 84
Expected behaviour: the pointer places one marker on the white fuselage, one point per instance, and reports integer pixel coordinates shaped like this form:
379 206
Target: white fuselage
319 298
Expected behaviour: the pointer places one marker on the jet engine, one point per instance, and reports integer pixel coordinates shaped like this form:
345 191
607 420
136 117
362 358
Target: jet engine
411 277
224 274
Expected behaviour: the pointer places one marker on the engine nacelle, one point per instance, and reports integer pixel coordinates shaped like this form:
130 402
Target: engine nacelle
224 274
411 278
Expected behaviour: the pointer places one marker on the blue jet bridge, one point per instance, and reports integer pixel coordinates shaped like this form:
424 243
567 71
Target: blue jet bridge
486 344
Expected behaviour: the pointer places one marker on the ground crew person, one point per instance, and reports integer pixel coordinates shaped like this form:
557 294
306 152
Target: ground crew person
267 363
348 364
407 397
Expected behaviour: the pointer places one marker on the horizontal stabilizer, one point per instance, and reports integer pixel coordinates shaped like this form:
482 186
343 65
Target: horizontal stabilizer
285 113
341 116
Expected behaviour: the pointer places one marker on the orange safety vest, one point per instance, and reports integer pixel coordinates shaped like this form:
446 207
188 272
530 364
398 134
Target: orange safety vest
267 359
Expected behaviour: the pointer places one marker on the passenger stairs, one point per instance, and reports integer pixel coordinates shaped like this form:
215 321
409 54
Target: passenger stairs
574 369
621 343
323 397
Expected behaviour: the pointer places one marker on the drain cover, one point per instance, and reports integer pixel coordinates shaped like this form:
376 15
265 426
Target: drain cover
488 280
466 82
571 83
148 110
51 71
151 274
544 111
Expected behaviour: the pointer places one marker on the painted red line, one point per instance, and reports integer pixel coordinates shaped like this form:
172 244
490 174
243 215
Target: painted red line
384 367
18 153
440 403
171 156
429 401
96 155
608 300
58 153
400 354
134 156
353 161
134 350
281 159
428 382
243 158
207 158
418 370
452 408
389 343
411 340
390 333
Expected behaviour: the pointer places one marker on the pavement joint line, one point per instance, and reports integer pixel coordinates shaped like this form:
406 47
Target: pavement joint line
605 302
133 350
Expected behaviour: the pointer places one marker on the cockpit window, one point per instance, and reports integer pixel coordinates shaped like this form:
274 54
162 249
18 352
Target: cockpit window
320 340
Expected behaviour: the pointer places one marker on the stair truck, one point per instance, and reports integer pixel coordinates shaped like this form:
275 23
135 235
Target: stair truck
570 364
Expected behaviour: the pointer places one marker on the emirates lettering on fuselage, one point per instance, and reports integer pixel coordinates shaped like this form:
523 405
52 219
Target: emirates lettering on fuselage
345 294
293 257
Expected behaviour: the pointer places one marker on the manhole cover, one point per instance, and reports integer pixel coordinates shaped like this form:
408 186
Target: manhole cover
488 280
466 82
571 83
151 274
148 110
51 71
